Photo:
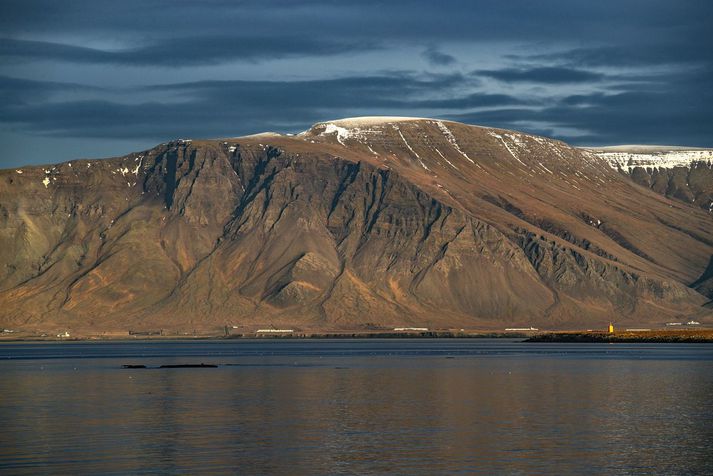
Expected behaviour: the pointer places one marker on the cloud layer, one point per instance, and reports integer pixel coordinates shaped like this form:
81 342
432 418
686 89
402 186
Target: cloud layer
590 73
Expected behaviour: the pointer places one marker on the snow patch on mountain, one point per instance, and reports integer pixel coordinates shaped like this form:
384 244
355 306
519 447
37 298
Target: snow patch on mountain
342 133
452 139
511 151
444 158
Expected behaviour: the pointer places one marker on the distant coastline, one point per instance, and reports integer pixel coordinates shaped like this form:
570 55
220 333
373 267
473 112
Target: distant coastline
653 336
273 336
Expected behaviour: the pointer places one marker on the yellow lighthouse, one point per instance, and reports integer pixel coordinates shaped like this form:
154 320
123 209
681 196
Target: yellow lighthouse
611 328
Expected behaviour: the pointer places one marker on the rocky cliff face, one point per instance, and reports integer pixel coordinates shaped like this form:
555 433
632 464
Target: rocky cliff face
682 174
369 222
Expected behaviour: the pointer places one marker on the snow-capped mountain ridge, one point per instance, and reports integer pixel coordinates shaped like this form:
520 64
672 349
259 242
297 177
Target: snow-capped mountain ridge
627 161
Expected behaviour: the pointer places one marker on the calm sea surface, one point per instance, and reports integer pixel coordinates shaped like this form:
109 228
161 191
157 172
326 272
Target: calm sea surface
356 407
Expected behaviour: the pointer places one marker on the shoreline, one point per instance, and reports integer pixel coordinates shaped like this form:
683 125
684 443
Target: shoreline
684 336
700 335
286 336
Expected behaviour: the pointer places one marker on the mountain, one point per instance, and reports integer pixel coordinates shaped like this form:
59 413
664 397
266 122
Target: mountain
682 173
352 224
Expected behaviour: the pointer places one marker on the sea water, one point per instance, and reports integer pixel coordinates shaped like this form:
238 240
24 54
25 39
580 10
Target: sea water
411 406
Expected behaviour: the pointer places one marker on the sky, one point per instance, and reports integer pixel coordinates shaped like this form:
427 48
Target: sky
97 78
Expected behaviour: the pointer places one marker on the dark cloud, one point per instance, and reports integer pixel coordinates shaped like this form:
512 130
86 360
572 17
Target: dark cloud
20 91
550 75
642 113
598 72
471 101
210 108
438 58
696 50
424 20
219 108
182 52
648 114
397 90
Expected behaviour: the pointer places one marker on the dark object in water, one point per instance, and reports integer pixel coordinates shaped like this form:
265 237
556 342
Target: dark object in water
188 366
129 366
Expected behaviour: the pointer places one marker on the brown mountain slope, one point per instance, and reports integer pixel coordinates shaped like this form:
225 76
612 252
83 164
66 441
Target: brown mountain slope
376 221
